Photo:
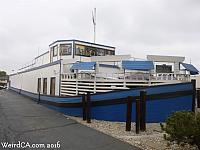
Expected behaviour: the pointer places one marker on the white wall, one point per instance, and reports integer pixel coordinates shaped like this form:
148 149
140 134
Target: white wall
43 59
197 78
28 81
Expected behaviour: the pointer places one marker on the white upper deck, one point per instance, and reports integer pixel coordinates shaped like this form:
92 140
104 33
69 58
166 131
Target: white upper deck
75 50
72 51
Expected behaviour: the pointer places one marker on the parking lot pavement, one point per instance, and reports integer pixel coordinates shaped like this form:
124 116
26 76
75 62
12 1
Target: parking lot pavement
25 123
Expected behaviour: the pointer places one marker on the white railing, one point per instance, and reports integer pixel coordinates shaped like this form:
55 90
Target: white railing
77 83
106 76
171 76
126 76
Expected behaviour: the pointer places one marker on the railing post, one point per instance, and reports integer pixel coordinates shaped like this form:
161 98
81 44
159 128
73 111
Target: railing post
124 79
198 98
128 113
84 106
95 81
194 94
143 110
88 110
76 82
137 118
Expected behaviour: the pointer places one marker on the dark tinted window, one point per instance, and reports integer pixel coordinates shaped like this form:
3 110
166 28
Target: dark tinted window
163 68
65 49
82 50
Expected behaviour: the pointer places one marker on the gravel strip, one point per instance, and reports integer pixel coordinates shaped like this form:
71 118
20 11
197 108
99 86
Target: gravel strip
151 139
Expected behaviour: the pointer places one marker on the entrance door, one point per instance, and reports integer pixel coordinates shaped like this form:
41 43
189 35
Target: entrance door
39 85
52 86
44 85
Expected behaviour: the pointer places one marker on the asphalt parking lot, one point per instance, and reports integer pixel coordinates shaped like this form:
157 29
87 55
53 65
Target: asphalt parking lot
29 125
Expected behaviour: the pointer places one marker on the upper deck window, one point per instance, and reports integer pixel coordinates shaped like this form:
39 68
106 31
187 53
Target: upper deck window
65 49
55 51
82 50
100 52
164 68
109 52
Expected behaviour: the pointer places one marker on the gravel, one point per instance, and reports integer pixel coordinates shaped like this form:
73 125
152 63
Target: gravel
151 139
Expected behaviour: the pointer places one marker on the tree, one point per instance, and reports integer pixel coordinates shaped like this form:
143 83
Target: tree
3 73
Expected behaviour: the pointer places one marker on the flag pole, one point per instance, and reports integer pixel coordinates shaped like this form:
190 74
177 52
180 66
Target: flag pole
94 23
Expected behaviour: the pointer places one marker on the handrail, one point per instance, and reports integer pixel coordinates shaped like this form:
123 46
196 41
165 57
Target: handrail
127 76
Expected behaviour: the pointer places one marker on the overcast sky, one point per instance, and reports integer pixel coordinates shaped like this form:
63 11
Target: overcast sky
136 27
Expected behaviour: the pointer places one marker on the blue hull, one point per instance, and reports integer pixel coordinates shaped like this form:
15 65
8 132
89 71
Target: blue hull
157 110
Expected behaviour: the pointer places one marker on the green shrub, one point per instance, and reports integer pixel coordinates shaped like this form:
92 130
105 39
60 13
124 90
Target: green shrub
180 126
197 131
183 127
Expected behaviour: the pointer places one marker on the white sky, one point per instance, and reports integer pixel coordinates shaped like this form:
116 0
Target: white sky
137 27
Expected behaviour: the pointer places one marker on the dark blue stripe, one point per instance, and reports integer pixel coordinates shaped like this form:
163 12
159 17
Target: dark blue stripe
136 92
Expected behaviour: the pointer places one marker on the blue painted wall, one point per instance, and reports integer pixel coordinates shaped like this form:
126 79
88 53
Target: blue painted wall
157 110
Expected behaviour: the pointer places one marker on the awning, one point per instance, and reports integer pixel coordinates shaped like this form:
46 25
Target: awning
138 65
190 68
83 66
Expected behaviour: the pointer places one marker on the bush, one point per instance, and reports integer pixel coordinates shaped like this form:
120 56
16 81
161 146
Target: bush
183 126
197 131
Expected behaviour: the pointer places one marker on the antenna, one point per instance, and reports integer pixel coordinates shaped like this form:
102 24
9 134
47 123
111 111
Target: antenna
94 22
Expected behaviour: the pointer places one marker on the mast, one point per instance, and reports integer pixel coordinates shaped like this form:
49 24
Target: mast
94 23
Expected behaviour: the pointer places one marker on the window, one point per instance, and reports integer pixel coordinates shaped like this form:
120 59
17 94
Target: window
44 85
52 86
164 68
55 51
109 52
39 85
65 49
82 50
100 52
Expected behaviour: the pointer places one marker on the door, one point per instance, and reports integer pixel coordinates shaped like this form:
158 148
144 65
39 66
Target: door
39 85
52 86
44 85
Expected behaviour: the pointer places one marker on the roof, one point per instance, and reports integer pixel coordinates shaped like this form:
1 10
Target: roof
161 58
138 65
191 68
81 41
83 66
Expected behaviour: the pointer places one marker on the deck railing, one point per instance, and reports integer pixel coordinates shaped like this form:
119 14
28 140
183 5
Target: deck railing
76 83
126 76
